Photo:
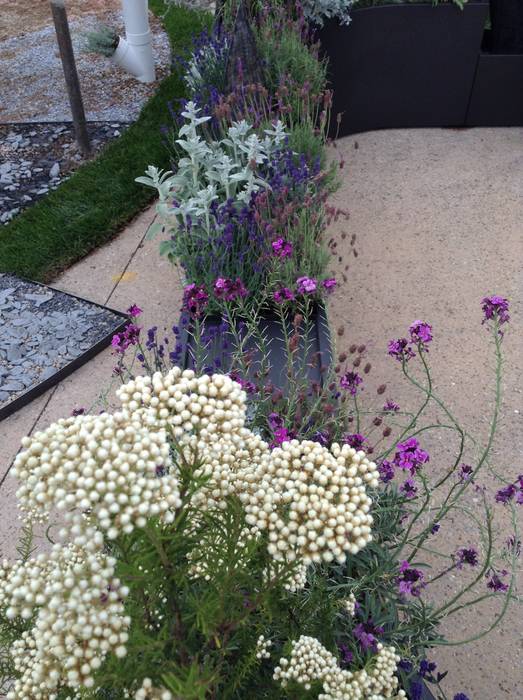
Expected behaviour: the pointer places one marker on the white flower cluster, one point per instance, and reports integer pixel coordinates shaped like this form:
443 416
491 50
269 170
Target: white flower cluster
212 171
263 647
350 605
77 608
312 501
185 404
310 662
148 692
109 467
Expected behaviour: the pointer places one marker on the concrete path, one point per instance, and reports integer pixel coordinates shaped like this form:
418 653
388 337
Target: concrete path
438 216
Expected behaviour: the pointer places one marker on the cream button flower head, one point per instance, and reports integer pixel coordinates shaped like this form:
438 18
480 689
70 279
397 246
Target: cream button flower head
75 604
312 502
184 403
109 467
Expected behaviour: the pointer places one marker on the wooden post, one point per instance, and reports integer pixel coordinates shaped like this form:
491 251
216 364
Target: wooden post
65 45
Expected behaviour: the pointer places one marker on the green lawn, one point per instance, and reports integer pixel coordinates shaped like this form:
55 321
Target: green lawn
101 197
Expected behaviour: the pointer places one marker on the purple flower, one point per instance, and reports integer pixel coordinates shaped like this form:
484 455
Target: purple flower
420 332
465 472
195 299
283 294
356 441
129 336
282 248
229 290
78 412
410 456
435 528
386 470
409 488
346 654
275 421
410 580
391 406
401 350
367 635
306 285
351 381
134 310
405 665
506 494
321 436
494 582
466 555
280 436
460 696
495 308
513 546
329 284
426 668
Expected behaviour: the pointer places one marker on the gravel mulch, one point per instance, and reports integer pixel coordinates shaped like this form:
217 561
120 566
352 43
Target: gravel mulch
43 331
36 158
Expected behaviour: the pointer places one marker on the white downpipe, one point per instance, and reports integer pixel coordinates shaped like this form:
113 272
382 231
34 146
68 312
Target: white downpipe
135 52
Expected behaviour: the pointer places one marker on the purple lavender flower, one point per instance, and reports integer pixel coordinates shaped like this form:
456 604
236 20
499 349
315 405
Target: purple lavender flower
356 441
405 665
367 635
410 580
495 308
78 412
322 437
275 421
409 488
134 310
466 555
410 456
494 582
306 285
401 350
195 299
329 284
386 471
391 406
435 528
461 696
283 294
421 332
351 381
506 494
282 248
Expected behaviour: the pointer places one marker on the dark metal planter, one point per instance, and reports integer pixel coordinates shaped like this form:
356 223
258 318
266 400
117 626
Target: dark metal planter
220 346
38 389
426 694
497 95
409 65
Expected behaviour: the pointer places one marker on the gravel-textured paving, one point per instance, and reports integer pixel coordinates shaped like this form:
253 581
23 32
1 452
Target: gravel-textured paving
42 331
32 82
36 158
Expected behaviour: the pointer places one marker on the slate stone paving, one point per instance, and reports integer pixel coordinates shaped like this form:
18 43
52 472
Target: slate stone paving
42 331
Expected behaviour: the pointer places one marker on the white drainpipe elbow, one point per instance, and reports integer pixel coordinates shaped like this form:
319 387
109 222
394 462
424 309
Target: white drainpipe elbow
135 52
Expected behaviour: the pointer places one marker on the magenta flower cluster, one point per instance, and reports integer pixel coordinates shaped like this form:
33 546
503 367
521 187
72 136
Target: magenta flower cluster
229 290
304 286
195 299
282 248
495 308
420 335
512 492
129 336
350 381
410 580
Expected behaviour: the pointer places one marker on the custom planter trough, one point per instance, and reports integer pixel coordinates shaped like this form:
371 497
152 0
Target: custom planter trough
409 65
220 343
45 334
497 95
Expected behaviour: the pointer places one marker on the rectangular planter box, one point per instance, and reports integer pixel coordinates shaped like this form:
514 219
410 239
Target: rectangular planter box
220 348
407 65
497 95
